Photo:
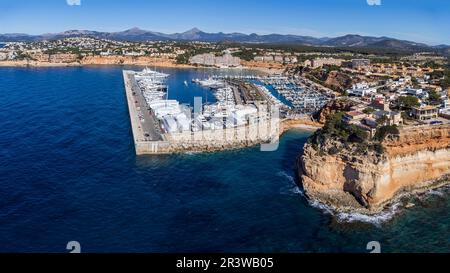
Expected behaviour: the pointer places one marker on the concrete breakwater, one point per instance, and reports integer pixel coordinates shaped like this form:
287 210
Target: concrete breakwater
209 140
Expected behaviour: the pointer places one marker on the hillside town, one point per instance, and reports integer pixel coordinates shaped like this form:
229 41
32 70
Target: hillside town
385 90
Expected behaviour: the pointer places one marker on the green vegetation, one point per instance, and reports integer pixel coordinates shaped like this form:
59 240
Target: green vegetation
246 54
23 56
408 102
349 136
434 97
432 64
385 60
335 128
329 68
368 110
384 131
184 58
406 116
446 74
378 147
292 48
382 120
73 50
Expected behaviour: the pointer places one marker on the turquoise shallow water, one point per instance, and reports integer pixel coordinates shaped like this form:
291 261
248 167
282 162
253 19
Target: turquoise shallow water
68 172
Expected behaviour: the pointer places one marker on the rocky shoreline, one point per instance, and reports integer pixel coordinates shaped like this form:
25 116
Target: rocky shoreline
405 195
415 162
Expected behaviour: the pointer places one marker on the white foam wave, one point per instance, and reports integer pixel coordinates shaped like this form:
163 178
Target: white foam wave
316 204
351 217
435 192
292 188
192 153
287 176
376 219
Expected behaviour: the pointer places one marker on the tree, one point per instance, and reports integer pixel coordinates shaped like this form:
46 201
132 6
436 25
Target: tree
368 110
382 120
378 147
384 131
408 102
432 64
446 81
357 134
245 54
434 97
406 116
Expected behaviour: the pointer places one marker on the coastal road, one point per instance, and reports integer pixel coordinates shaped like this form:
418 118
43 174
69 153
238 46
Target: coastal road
149 123
237 95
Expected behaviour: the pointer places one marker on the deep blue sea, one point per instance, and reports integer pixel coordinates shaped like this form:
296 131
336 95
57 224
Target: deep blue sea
68 172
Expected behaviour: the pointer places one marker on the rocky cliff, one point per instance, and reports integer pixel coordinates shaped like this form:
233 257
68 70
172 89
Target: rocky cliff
333 107
416 159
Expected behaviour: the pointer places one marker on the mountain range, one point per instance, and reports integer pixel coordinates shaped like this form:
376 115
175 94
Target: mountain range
140 35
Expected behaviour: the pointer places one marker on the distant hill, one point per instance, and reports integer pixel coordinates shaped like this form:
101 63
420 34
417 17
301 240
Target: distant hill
140 35
375 42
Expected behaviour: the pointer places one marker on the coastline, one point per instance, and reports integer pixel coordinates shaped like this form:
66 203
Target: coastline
101 61
368 185
401 202
306 124
83 64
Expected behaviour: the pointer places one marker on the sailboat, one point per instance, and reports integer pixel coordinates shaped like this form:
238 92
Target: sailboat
186 83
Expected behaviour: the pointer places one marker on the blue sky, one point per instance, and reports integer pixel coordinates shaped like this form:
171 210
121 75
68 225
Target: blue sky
418 20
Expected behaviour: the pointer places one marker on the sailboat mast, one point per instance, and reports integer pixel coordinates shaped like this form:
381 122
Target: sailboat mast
167 95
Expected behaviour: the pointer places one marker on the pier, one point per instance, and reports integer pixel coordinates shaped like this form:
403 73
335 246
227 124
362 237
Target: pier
146 132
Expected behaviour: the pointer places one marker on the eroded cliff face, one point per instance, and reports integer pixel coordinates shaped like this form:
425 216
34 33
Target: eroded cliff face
419 158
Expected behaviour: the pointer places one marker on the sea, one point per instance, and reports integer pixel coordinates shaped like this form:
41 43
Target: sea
68 172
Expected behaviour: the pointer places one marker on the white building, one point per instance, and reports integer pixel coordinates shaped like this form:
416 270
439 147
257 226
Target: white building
445 105
361 90
413 91
211 60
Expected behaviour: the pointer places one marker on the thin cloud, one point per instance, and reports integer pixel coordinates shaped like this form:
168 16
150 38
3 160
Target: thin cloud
374 2
73 2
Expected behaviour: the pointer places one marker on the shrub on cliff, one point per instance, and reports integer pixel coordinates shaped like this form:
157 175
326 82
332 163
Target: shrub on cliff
377 147
384 131
357 134
337 130
333 150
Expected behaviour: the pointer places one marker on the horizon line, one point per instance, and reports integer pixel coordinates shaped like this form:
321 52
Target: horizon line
233 32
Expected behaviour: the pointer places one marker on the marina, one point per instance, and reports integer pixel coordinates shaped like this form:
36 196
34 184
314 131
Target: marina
162 125
294 94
